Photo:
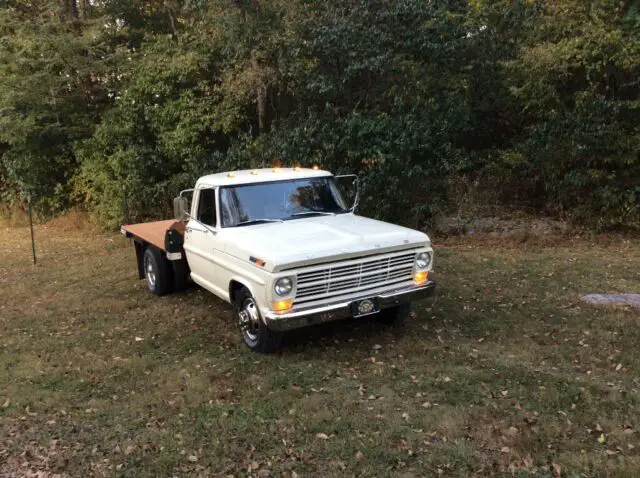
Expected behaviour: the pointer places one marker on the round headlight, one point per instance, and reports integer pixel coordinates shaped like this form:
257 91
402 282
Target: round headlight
283 286
423 260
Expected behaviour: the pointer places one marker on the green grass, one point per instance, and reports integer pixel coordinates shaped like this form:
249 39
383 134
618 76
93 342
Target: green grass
505 372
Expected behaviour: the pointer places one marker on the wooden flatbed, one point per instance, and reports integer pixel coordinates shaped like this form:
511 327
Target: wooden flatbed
153 232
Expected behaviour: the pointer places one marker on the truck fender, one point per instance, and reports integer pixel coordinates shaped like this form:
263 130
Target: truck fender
237 283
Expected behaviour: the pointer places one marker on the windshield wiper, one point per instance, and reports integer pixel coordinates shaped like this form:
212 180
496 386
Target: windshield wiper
308 213
257 221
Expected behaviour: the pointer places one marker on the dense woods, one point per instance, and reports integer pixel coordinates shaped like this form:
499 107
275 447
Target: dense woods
115 105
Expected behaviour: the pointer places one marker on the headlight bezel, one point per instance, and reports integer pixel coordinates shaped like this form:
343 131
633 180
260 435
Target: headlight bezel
423 260
283 291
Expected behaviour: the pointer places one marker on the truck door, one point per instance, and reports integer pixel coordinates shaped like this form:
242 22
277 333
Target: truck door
201 243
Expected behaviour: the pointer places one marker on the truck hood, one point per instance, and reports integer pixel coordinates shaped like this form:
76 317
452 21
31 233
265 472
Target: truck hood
318 239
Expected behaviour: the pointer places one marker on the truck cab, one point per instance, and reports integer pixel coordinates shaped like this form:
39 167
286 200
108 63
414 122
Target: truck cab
283 247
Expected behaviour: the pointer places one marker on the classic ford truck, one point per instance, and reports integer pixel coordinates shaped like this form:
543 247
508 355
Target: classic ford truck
283 247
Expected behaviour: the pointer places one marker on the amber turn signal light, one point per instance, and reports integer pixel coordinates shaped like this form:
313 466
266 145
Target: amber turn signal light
421 277
282 305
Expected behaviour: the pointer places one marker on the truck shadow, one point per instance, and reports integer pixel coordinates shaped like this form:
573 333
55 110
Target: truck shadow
362 331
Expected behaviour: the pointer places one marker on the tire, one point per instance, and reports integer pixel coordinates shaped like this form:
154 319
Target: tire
396 316
255 334
157 271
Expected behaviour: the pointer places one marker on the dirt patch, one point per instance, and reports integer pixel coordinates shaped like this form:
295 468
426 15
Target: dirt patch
503 225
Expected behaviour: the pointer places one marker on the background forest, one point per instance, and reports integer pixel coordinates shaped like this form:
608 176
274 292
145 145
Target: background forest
115 105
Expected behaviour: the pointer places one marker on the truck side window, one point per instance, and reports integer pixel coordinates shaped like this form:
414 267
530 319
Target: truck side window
207 207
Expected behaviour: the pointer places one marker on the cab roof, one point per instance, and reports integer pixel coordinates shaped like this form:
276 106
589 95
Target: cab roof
249 176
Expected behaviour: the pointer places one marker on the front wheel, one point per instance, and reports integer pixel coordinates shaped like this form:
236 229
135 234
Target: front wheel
396 316
255 334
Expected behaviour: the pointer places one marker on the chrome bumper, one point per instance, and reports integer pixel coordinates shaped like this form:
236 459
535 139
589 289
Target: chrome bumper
342 310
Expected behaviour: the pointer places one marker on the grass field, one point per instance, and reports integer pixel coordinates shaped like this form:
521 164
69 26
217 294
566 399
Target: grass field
505 372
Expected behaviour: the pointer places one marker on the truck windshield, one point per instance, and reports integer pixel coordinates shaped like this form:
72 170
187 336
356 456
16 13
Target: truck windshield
279 201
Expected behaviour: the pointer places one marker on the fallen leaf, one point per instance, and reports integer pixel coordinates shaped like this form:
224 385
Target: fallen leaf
139 339
611 452
505 449
426 404
322 436
377 347
359 456
557 470
601 438
6 403
618 367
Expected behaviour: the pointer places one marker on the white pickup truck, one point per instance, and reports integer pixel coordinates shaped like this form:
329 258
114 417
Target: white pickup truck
282 246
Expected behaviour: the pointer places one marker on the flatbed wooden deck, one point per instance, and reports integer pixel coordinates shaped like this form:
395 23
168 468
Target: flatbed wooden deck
153 232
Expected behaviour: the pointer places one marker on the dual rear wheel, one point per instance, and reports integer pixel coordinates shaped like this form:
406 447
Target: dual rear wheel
164 276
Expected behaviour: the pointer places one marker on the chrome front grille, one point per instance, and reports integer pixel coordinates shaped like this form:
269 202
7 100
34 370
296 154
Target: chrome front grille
354 276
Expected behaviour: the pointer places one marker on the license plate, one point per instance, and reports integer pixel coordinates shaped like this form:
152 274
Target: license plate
364 307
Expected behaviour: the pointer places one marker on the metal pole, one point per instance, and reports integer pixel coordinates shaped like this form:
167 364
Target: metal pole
33 241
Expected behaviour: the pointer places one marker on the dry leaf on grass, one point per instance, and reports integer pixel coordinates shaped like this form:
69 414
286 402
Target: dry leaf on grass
322 436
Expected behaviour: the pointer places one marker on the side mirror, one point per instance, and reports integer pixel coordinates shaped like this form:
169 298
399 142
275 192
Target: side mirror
182 206
349 187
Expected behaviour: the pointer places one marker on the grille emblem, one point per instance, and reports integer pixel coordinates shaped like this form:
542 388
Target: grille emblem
365 307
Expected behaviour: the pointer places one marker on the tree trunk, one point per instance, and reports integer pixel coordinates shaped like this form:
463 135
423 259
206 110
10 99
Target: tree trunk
261 98
262 107
74 10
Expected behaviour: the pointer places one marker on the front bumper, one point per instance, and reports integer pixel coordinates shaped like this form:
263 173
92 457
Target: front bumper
342 310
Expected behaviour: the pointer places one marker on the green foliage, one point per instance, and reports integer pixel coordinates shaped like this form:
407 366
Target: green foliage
575 84
118 105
